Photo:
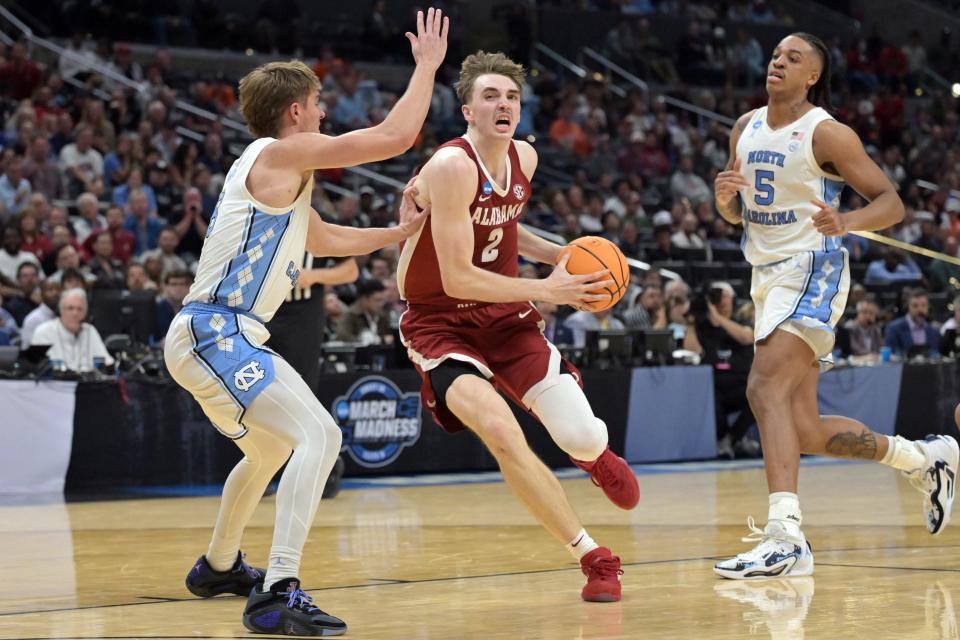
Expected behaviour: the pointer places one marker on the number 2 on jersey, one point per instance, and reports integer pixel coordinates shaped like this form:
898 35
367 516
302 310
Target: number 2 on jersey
763 184
490 252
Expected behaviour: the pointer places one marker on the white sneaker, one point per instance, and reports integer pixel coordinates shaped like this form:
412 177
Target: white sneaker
777 555
936 480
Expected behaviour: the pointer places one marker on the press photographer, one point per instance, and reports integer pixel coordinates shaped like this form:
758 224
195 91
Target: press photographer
727 346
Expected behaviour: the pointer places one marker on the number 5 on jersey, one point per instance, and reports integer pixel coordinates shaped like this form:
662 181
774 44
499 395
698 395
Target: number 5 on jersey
490 252
764 185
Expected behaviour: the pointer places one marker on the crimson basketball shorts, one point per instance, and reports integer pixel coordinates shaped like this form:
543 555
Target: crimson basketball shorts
503 341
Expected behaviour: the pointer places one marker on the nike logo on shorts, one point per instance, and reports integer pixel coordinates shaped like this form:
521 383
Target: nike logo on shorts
524 314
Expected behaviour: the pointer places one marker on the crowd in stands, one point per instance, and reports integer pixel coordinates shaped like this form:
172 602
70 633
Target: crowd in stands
109 188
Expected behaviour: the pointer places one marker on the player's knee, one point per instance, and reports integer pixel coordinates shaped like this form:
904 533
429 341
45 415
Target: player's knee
502 435
585 443
809 436
332 434
565 412
762 391
274 458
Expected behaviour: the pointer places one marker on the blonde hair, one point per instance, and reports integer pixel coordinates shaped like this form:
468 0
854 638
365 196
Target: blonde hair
481 63
267 91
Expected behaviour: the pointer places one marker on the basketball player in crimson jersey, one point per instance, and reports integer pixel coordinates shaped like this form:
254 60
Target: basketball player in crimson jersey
471 330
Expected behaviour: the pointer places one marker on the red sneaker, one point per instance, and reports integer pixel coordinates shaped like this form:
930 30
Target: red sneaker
611 473
603 572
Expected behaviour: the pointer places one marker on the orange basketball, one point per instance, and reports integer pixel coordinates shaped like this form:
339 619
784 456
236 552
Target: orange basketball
590 254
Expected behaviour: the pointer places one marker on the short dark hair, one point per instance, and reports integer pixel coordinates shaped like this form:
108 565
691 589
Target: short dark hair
919 292
178 273
27 264
369 287
72 274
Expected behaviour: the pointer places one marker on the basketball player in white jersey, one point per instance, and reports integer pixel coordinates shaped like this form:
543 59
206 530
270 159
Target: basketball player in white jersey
250 260
472 332
788 163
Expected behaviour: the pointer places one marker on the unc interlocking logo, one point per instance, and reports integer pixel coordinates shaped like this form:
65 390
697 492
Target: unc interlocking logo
293 273
518 191
248 376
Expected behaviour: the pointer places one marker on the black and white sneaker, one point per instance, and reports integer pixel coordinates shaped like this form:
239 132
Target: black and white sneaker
936 480
205 582
778 555
286 610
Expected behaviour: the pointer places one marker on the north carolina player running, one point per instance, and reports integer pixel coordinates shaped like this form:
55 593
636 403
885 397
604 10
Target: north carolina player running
471 330
250 259
788 163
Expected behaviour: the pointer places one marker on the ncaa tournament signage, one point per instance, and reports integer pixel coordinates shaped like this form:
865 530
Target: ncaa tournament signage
377 420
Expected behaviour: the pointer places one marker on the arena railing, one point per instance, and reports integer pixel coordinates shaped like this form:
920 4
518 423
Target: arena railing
613 68
574 68
181 105
55 49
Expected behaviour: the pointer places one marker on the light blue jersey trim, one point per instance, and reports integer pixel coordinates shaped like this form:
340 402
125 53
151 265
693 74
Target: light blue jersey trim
228 265
248 270
243 369
823 286
198 356
831 195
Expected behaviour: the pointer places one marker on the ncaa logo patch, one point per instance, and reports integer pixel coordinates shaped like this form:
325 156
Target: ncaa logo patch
793 146
518 191
487 188
377 420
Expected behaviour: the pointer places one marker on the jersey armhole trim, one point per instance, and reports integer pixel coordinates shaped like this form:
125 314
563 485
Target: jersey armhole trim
305 188
812 159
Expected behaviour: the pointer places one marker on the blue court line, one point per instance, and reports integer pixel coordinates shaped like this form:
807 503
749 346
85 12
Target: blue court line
490 477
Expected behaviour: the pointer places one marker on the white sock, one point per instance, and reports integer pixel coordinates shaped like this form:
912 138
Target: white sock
785 509
581 545
284 563
903 454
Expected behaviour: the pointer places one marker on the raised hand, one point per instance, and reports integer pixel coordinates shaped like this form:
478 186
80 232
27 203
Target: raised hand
429 46
828 220
728 184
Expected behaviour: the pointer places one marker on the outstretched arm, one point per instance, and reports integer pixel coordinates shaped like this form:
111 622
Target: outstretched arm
308 151
325 239
343 273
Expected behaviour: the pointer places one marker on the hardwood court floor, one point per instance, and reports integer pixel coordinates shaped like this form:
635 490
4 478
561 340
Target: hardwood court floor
466 561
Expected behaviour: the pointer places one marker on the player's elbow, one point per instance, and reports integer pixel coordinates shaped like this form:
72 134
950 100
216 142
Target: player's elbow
454 284
400 140
898 211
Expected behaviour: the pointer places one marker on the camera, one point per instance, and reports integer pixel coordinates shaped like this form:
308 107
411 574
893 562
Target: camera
711 292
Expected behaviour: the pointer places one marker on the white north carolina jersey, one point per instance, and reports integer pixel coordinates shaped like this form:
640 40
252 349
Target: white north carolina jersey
784 177
252 253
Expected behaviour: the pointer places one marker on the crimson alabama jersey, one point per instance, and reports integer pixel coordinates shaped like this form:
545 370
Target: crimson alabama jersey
494 214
